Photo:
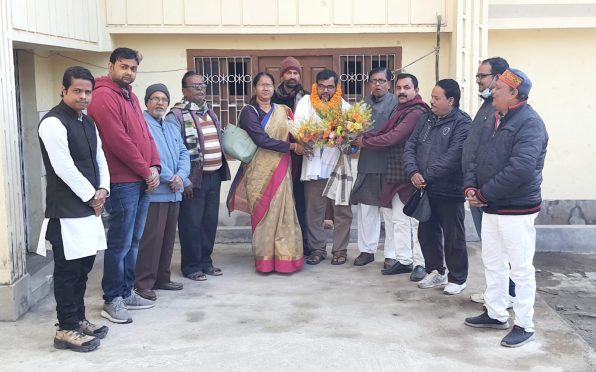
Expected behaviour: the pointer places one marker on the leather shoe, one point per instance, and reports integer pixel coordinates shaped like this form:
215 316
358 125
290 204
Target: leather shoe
398 268
364 259
169 286
147 294
389 262
418 274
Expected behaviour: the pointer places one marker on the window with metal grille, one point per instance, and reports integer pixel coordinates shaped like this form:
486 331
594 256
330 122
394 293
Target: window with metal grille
354 73
228 82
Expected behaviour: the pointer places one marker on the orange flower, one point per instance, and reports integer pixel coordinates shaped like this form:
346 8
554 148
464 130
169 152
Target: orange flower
322 107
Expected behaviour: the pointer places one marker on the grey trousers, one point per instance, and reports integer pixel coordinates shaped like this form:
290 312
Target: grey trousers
316 204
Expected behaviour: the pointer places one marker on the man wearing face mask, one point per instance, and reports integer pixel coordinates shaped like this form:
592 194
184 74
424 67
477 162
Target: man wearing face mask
488 73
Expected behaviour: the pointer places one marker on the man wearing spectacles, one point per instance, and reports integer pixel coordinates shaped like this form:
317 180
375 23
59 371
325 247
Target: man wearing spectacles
488 73
199 210
157 243
372 163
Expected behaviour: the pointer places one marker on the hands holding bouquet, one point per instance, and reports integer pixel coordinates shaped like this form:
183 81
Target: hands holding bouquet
334 128
308 133
345 129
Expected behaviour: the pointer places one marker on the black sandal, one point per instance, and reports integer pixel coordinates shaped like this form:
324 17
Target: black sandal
314 259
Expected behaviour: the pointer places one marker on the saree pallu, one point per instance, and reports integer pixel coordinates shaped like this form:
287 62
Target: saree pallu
263 189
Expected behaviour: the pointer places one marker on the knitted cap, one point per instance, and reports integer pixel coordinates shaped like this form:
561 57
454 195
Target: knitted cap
156 88
516 79
290 63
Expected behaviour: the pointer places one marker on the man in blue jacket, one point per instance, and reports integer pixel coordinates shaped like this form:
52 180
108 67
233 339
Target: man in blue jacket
157 242
505 181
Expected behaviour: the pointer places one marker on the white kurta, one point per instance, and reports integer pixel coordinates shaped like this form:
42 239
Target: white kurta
323 160
82 236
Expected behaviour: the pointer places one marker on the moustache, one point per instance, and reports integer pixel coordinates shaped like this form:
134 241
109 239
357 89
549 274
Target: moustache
402 95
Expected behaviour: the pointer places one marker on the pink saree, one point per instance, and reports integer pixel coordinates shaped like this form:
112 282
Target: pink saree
263 189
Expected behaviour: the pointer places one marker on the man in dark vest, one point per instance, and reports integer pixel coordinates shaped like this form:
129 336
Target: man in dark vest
366 193
78 183
199 210
288 93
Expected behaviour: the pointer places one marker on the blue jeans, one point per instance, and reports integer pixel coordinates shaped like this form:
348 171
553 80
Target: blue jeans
127 205
197 225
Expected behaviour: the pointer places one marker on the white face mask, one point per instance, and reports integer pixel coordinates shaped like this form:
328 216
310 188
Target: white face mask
485 93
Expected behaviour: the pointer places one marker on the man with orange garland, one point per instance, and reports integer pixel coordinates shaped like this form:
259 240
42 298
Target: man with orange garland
320 175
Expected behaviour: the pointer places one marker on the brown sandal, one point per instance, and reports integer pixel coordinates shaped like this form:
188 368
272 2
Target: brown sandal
338 260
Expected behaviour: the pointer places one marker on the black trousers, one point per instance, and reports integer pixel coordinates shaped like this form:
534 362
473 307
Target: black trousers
300 205
443 237
70 280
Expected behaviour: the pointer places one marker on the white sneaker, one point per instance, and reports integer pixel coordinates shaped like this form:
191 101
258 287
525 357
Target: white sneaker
453 289
434 279
477 297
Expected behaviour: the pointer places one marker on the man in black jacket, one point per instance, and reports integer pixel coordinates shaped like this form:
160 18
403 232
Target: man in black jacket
505 180
489 71
432 160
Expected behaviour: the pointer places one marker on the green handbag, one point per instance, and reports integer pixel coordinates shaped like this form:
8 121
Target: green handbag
238 144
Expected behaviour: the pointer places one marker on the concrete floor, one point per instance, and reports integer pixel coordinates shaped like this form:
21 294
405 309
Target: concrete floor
324 318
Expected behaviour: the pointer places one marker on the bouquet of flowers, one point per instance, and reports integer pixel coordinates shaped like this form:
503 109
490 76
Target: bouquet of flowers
342 128
308 132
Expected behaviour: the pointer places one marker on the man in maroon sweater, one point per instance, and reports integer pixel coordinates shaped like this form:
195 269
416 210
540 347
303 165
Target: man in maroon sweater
401 231
134 167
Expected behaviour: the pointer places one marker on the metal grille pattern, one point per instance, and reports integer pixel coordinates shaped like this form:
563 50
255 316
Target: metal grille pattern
354 73
228 82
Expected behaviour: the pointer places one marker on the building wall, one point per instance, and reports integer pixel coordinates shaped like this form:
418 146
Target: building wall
275 16
559 63
77 24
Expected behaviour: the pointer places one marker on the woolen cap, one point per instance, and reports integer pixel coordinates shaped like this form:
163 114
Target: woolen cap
516 79
290 63
156 88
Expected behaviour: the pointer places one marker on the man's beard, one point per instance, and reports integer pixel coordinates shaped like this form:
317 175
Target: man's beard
291 84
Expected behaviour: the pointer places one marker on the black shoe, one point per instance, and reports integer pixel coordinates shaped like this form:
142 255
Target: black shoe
485 321
418 273
389 262
398 268
517 337
364 258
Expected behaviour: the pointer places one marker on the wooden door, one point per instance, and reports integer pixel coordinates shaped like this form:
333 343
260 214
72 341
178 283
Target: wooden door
311 65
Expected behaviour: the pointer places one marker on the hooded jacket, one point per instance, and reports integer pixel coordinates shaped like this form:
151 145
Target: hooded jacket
127 142
434 150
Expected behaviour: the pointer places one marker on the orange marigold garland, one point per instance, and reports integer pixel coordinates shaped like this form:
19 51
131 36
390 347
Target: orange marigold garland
322 108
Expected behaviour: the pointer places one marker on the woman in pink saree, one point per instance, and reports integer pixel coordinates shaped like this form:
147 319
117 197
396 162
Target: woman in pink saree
263 188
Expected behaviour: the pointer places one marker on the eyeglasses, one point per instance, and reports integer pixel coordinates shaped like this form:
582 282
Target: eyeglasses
197 86
328 88
482 76
267 86
159 99
378 81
